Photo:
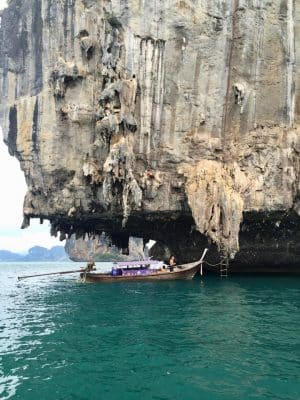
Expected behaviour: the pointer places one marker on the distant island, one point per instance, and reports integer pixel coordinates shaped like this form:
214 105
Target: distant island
36 253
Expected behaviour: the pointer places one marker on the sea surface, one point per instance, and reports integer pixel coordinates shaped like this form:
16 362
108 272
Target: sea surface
210 338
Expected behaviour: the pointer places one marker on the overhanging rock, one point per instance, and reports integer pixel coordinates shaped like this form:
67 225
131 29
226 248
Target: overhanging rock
175 122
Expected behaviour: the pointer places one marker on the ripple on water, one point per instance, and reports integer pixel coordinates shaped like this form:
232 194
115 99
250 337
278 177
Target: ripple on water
208 339
8 386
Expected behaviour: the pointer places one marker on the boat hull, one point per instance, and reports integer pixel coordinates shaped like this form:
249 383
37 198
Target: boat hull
184 272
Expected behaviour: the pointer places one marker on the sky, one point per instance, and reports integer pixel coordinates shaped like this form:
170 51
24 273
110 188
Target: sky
13 189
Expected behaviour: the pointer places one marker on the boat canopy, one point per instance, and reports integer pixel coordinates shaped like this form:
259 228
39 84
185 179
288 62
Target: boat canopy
136 264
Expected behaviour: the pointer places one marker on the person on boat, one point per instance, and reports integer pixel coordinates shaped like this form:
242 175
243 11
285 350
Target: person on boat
172 263
91 266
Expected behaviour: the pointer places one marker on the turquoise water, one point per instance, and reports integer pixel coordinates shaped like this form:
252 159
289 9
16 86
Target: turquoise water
206 339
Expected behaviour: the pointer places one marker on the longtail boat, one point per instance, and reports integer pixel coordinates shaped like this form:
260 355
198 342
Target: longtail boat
144 271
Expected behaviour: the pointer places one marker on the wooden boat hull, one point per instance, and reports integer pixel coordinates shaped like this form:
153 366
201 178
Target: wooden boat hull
182 272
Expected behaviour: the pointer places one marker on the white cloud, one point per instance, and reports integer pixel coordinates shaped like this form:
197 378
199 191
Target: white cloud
20 240
3 3
13 189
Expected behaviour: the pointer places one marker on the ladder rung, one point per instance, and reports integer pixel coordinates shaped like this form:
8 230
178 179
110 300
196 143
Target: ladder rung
224 264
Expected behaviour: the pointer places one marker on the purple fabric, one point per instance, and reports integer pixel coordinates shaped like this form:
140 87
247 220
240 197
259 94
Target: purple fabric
138 272
136 263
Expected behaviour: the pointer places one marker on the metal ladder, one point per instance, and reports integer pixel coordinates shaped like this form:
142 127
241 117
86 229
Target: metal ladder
224 265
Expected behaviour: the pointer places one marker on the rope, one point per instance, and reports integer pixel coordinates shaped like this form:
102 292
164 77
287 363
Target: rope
212 265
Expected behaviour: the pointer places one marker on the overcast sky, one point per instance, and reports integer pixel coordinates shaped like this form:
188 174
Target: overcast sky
13 189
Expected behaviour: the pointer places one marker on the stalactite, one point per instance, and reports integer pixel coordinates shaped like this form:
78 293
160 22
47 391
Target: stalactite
215 196
291 60
151 77
118 169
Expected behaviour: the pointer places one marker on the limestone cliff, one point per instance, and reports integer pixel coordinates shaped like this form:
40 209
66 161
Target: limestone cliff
162 119
100 248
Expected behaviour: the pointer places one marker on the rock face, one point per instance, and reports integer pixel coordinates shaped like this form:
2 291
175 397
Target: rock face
101 249
168 120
